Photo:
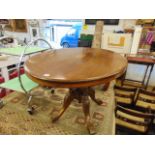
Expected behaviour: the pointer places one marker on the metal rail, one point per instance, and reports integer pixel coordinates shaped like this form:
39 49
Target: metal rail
21 57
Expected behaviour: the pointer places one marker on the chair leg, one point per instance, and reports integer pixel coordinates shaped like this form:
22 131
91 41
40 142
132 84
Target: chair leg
91 93
30 109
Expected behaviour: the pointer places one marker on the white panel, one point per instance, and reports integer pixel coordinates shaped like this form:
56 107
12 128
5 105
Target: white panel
136 39
111 41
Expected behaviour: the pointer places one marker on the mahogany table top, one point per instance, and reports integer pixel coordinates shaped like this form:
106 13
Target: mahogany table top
73 66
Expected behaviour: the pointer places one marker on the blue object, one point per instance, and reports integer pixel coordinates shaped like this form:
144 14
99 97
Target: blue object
70 39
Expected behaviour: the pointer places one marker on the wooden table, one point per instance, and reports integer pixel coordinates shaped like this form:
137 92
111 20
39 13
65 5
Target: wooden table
77 69
148 61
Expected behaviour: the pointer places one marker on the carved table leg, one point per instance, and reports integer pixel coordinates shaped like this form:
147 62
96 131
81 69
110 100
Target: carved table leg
106 86
82 95
91 93
67 101
85 104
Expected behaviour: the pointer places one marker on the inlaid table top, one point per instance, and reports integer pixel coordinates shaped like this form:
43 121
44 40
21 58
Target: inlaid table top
74 66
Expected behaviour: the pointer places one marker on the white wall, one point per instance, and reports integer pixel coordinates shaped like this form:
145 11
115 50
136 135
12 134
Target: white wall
136 39
19 35
123 23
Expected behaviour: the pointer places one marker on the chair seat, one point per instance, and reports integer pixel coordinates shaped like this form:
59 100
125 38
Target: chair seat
123 100
130 117
146 100
129 84
133 119
136 127
145 105
124 95
14 84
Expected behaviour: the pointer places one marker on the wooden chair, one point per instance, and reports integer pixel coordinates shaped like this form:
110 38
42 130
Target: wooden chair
145 100
132 121
125 96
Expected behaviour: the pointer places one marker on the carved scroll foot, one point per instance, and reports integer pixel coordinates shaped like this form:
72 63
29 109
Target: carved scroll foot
91 93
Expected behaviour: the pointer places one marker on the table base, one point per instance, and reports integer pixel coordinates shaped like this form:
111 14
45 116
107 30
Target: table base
82 95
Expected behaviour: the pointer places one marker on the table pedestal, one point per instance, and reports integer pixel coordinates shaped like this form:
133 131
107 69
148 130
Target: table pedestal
82 95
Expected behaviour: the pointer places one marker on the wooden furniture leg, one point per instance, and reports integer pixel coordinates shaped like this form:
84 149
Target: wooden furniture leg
67 101
86 104
82 95
91 93
148 79
106 86
144 78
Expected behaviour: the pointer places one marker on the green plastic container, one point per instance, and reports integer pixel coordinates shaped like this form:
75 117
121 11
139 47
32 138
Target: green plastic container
88 37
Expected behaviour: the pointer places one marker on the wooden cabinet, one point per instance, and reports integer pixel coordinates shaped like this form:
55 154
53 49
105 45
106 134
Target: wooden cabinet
17 25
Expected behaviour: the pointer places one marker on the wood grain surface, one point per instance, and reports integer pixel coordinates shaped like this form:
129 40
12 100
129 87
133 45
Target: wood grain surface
75 66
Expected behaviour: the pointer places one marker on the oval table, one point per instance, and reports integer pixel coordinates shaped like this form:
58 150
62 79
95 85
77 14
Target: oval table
77 69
